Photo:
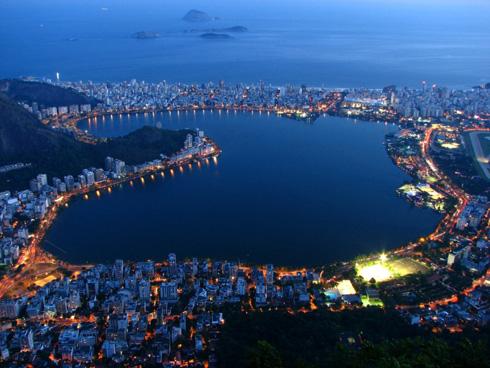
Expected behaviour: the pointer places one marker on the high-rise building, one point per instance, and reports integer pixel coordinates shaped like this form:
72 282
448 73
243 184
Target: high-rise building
82 180
172 264
26 340
34 185
160 316
168 291
183 321
241 286
269 274
73 109
188 141
119 269
109 162
118 167
89 176
99 175
194 266
69 182
144 289
92 287
43 179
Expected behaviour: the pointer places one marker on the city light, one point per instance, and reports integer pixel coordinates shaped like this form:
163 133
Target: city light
378 272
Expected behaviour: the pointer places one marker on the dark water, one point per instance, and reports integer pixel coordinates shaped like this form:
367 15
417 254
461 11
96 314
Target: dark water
336 43
283 191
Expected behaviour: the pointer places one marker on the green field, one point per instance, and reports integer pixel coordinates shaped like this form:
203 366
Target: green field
366 302
408 266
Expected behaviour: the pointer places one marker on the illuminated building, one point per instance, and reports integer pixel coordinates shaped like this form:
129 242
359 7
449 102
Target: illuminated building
119 269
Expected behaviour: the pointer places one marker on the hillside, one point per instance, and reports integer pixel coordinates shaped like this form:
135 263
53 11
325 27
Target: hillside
43 93
22 134
144 144
25 139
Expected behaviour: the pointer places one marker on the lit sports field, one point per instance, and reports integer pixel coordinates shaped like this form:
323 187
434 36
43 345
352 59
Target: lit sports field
384 271
408 266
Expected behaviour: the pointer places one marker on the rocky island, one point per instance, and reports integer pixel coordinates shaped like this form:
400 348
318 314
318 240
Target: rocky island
145 35
235 29
215 36
197 16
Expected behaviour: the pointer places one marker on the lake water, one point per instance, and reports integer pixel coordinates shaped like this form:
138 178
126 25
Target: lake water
282 192
349 43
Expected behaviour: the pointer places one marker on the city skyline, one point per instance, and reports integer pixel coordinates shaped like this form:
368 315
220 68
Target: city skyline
273 184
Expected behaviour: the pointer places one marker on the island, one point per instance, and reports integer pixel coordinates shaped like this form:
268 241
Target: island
235 29
145 35
215 36
197 16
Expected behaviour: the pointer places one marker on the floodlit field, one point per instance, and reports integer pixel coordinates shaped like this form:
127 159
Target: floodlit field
377 271
408 266
385 270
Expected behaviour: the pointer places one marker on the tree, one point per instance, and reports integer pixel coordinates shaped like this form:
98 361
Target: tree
263 356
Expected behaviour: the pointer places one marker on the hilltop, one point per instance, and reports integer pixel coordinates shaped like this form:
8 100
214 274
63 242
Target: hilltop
43 93
25 139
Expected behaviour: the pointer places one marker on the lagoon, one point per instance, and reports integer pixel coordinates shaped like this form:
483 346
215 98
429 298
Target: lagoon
283 192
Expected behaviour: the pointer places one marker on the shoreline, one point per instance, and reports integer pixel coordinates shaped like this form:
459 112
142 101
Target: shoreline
243 110
34 251
73 121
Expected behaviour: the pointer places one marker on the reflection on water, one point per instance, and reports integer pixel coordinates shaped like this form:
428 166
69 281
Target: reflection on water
282 191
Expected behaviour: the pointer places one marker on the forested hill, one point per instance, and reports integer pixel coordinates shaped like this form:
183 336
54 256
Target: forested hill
21 134
364 337
25 139
44 94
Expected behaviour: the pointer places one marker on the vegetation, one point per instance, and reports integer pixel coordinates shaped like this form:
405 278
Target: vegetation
25 139
45 95
280 339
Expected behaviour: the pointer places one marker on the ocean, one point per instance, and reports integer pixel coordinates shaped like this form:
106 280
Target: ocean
317 43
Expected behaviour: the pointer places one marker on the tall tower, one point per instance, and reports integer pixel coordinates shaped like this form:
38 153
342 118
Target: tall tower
269 274
172 264
423 87
194 267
